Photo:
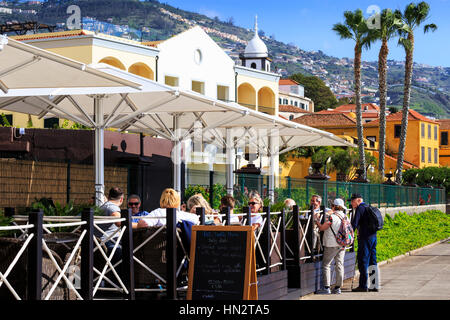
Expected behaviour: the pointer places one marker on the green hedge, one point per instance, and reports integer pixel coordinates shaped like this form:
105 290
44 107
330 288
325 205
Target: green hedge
405 232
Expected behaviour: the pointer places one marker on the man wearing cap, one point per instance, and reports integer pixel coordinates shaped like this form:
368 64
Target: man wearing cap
332 249
367 242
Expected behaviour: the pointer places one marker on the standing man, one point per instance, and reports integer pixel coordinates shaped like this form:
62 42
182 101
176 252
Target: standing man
315 202
134 203
367 242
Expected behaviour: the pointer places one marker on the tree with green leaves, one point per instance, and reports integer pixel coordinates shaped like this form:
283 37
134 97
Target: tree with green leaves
317 91
355 28
413 16
390 24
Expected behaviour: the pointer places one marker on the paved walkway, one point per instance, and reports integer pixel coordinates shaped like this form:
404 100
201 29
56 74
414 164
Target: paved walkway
423 275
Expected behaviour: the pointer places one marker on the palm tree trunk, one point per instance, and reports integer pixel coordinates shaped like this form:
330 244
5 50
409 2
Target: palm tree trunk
359 126
405 110
382 81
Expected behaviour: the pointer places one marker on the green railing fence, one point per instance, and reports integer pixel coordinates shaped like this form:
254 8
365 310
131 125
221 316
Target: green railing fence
301 190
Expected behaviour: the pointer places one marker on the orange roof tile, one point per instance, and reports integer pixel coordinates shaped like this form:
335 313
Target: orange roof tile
352 107
289 108
444 124
325 120
288 82
412 116
51 35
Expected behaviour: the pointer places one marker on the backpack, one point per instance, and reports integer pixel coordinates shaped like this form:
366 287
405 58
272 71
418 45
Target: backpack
345 235
374 218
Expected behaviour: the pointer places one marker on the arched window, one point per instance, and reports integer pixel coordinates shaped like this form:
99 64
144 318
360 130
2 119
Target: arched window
253 65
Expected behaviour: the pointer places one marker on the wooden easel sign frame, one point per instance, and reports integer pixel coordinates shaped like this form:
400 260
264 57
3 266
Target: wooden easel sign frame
222 263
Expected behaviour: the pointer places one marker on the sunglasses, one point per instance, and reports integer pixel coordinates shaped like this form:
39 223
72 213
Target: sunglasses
133 204
252 203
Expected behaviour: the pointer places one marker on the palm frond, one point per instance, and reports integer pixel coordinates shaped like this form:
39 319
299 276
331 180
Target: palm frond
429 27
343 31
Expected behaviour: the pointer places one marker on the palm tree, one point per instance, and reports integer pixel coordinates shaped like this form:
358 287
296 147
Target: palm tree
389 27
413 16
356 28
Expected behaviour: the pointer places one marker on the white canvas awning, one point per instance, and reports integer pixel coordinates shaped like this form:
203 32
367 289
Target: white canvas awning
23 66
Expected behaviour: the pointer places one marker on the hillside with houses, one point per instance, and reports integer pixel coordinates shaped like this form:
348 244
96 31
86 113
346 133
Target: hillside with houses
152 20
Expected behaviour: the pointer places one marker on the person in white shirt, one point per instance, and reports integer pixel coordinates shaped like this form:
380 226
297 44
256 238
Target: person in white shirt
332 250
255 203
169 199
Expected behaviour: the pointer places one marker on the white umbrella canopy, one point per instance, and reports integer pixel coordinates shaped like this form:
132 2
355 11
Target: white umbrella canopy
23 66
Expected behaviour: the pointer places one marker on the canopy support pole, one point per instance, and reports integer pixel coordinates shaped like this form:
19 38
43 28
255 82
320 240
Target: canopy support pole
99 152
273 156
176 156
230 162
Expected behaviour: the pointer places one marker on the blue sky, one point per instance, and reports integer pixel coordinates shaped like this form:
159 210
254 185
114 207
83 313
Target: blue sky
308 24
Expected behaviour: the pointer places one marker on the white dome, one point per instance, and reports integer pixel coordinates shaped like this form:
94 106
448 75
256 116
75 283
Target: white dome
256 48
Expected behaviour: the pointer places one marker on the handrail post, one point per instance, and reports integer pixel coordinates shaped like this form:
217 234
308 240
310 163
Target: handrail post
171 251
226 211
249 215
87 255
283 239
34 291
296 227
310 232
266 238
200 211
127 253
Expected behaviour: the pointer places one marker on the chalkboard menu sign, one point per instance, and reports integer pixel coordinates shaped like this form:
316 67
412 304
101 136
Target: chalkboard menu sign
222 263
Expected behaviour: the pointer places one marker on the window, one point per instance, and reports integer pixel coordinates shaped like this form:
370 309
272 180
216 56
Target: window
444 138
435 155
198 86
372 140
285 101
422 154
253 65
222 93
291 117
435 133
171 81
429 131
280 101
6 120
429 155
397 130
51 123
296 103
422 126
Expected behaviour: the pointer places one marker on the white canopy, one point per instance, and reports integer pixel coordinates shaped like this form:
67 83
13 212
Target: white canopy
101 96
26 67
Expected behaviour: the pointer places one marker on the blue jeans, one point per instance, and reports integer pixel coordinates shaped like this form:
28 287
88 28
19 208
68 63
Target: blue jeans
367 256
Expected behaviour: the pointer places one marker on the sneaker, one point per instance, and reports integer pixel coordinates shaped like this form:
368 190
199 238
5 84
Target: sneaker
374 290
359 289
323 291
336 291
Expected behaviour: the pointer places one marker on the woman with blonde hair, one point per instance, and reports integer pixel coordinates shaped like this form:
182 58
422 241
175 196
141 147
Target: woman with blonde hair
169 199
256 204
198 201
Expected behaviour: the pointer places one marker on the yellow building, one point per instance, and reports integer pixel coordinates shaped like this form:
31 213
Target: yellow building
444 147
422 141
423 148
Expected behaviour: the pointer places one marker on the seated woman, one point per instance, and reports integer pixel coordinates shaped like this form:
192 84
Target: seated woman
255 203
198 201
169 199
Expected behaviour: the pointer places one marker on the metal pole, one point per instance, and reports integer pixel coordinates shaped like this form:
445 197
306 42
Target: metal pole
127 253
68 181
200 211
230 162
211 188
249 215
266 239
226 211
283 239
87 255
177 157
272 153
99 152
171 251
34 267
